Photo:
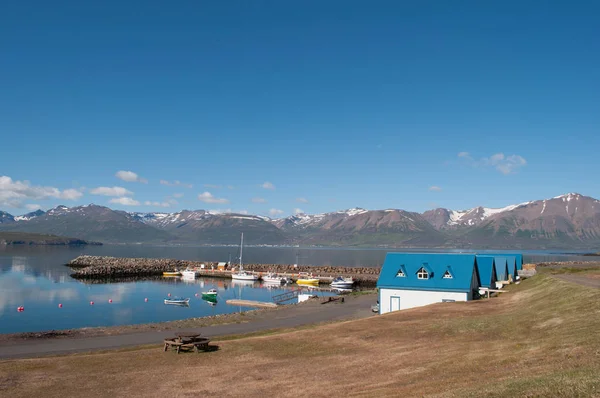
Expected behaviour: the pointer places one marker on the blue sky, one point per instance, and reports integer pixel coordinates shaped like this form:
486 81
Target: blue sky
336 104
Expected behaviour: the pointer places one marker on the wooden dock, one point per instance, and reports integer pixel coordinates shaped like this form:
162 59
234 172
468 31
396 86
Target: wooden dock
250 303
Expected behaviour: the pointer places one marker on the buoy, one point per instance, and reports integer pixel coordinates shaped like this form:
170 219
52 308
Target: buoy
146 300
169 294
91 303
20 309
196 295
110 300
60 306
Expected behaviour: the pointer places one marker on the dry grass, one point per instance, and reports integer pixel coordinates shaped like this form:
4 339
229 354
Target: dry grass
539 340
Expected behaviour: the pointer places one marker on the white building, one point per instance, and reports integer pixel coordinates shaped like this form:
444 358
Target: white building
409 280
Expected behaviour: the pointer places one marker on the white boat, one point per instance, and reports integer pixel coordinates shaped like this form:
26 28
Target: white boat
274 278
242 275
177 301
342 283
188 274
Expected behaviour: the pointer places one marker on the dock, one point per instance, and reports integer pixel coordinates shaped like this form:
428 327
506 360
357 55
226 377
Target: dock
250 303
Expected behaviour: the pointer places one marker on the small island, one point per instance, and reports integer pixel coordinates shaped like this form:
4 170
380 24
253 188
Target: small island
24 238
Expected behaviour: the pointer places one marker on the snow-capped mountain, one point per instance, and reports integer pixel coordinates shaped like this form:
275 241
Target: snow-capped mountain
570 220
30 216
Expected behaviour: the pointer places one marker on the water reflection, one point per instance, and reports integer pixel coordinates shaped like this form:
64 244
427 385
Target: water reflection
37 279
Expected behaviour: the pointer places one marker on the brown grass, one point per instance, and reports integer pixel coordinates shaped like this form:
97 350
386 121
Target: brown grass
540 339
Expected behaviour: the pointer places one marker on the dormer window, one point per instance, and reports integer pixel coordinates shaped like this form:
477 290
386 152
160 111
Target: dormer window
401 273
422 274
447 275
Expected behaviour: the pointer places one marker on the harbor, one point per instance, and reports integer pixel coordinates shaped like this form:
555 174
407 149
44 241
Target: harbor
90 267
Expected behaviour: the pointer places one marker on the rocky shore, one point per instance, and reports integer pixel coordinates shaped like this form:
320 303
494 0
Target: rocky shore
92 267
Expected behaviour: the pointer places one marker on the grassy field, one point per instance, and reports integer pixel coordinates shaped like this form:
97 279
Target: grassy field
540 339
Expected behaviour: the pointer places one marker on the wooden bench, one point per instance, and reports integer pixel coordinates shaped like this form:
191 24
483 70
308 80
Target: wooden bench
196 344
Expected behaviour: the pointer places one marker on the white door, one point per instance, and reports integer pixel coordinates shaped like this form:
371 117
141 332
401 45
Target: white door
394 303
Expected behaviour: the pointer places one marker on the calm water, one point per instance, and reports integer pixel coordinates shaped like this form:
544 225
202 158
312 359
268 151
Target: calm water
37 279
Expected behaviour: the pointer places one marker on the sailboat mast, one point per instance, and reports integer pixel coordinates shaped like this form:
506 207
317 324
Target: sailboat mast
241 251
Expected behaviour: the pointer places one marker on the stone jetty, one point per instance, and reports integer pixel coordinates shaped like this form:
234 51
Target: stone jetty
97 267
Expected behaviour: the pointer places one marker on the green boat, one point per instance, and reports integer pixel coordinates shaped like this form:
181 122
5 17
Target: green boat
211 295
212 300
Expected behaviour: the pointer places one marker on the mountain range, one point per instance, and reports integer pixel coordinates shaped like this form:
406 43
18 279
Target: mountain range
566 221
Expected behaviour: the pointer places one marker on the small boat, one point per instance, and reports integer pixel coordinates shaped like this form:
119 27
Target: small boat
274 278
172 273
189 274
307 280
211 300
210 293
177 301
242 275
342 283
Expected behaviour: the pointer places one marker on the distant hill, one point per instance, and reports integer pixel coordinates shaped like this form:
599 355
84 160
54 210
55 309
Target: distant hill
23 238
566 221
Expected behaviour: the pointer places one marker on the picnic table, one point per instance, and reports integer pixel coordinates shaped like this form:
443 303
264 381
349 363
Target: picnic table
187 341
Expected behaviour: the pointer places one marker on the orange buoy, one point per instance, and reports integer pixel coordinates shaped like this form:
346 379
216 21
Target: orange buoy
60 306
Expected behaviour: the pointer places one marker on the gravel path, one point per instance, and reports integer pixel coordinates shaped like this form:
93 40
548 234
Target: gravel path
298 315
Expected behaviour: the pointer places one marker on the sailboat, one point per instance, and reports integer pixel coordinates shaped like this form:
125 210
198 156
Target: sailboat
242 275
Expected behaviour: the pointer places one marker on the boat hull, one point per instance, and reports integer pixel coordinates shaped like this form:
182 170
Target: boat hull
244 277
308 282
342 285
169 273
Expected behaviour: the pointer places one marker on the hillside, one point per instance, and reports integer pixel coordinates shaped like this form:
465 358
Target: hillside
22 238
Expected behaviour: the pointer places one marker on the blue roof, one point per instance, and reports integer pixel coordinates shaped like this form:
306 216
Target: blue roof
501 268
459 266
512 266
518 257
487 270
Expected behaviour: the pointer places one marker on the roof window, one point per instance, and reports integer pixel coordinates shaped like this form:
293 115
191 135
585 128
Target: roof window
422 273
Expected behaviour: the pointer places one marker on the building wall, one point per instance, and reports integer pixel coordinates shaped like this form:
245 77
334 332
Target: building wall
415 298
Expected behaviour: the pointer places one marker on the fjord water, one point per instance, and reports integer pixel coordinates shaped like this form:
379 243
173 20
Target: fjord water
36 278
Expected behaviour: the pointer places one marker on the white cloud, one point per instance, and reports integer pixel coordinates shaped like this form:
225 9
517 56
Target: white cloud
259 200
125 201
111 191
71 194
13 193
175 183
227 211
130 176
159 204
275 212
208 197
301 200
32 207
435 188
268 185
178 195
298 211
506 164
502 163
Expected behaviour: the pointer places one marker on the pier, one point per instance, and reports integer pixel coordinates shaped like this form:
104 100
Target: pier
250 303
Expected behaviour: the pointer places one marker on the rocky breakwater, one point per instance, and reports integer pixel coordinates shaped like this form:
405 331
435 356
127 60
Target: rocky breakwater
109 267
112 267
